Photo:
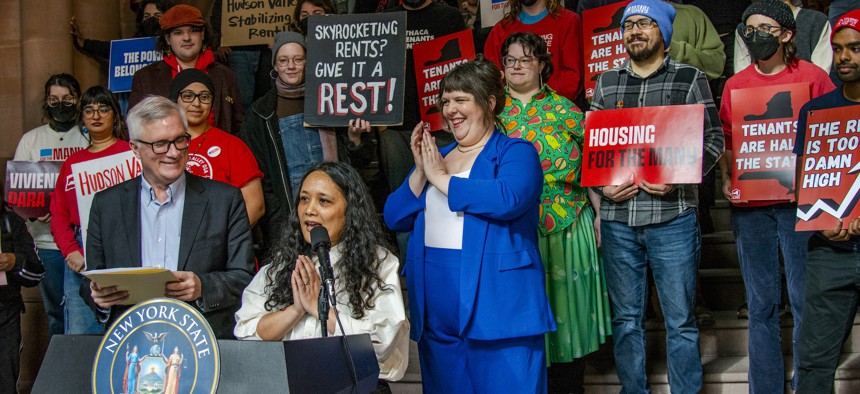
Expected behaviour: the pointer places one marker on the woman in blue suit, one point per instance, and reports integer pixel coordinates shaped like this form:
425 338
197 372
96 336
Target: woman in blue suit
476 284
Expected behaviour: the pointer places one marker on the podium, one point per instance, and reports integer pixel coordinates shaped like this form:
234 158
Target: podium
303 366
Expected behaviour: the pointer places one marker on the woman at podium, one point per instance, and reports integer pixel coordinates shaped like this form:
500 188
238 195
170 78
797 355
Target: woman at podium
281 302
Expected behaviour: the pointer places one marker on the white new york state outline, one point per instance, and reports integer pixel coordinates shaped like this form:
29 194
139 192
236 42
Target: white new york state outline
827 208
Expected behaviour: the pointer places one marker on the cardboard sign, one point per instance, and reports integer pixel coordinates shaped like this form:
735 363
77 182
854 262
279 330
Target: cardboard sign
830 176
92 176
356 69
655 144
29 186
492 11
764 124
250 22
128 56
433 60
603 43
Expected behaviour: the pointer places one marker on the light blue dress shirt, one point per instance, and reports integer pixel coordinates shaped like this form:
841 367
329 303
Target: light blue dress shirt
161 225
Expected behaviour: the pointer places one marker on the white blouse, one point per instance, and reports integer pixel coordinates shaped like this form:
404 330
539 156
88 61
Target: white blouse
386 322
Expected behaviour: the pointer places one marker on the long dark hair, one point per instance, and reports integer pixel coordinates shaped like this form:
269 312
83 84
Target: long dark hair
100 95
362 236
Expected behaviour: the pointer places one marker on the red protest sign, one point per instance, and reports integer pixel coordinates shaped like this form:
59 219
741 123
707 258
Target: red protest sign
433 60
657 144
602 42
29 186
764 124
829 181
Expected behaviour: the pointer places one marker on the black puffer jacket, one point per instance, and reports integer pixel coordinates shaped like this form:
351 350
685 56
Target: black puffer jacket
28 269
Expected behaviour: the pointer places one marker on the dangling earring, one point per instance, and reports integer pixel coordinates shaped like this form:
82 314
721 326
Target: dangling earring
540 80
273 74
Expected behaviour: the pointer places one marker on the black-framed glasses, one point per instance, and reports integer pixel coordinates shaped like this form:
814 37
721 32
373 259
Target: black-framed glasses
67 100
761 29
525 61
188 96
642 24
103 110
285 61
162 146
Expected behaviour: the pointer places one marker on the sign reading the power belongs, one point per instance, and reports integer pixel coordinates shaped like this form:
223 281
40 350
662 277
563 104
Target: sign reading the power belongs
128 56
356 69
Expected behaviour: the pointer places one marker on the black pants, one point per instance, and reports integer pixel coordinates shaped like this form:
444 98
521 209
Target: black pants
10 348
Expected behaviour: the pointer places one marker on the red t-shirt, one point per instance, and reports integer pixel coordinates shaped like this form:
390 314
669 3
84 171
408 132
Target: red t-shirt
223 157
64 201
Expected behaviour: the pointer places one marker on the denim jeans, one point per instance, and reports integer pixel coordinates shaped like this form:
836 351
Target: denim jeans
761 233
244 64
52 289
832 282
302 148
80 319
672 250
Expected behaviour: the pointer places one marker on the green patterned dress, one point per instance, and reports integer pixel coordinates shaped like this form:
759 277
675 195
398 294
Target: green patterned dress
575 283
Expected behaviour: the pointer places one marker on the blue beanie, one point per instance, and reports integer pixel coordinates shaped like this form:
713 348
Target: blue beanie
662 13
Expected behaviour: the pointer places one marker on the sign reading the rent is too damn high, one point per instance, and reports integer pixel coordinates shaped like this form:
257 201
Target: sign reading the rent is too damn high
655 144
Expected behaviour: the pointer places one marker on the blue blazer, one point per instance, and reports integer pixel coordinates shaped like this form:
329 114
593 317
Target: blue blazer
502 290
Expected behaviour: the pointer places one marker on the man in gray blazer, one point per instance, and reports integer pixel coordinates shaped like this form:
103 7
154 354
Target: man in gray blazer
169 218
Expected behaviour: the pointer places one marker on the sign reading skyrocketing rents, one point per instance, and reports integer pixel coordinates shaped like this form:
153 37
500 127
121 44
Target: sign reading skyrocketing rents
764 124
829 186
655 144
356 69
29 186
128 56
602 41
249 22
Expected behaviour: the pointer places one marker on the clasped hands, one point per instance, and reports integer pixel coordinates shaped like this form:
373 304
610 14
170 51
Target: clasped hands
428 160
628 190
188 288
305 283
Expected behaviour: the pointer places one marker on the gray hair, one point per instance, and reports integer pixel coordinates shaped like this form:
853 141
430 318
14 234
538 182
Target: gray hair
149 110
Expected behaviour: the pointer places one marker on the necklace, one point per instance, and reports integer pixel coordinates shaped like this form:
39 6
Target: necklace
470 149
202 141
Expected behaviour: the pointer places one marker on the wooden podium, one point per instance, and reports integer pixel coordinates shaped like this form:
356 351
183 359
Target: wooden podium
305 366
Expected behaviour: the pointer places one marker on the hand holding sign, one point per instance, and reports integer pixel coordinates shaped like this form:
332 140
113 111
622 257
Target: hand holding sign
657 189
622 192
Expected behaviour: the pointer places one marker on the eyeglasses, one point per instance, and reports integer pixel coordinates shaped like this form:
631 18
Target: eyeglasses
643 24
162 146
762 29
525 61
104 110
188 96
285 61
54 101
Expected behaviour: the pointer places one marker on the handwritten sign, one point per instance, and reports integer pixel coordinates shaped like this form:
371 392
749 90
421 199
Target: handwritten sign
356 69
764 124
603 42
657 144
250 22
29 186
830 176
93 176
128 56
433 60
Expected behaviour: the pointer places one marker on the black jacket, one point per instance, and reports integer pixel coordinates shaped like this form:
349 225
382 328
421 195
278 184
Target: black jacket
28 269
261 132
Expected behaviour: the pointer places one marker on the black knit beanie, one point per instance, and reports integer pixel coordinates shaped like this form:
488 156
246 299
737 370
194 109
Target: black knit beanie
187 77
773 9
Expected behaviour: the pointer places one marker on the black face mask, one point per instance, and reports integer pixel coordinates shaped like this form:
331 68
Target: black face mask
761 45
303 26
149 27
63 113
529 3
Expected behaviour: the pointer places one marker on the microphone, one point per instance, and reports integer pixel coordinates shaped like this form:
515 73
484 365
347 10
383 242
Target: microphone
321 244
